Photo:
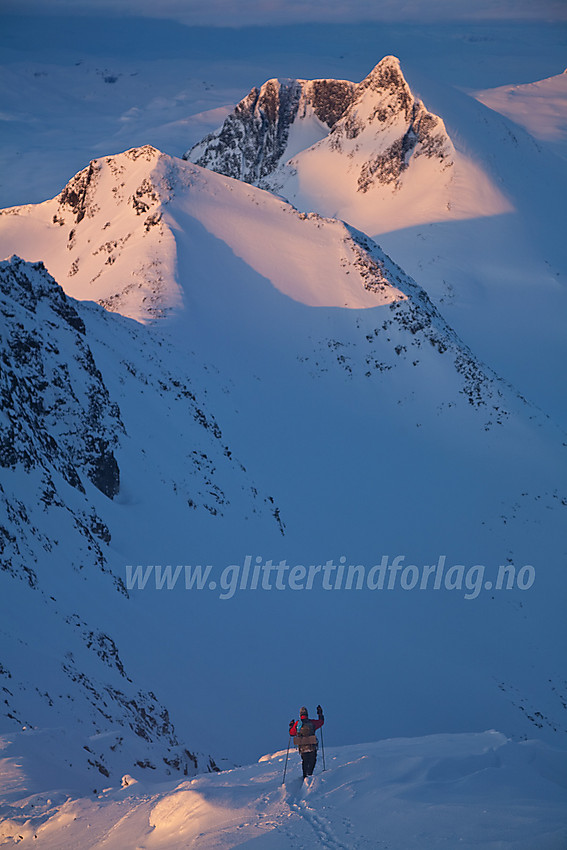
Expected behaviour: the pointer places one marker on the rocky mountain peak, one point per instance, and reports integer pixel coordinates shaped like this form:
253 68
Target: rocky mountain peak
387 90
377 123
387 74
116 247
77 196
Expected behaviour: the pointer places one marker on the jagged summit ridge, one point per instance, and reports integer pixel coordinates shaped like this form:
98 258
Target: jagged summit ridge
399 125
377 122
254 137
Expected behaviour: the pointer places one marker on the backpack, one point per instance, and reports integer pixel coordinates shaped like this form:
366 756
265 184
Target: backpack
306 739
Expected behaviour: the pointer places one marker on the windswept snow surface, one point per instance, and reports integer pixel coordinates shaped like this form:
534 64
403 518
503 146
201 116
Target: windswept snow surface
468 791
539 107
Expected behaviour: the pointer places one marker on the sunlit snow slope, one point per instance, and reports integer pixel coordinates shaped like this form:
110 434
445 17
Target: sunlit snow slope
109 237
466 791
540 107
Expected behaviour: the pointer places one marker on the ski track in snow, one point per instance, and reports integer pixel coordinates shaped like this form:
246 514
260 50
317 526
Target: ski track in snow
320 826
435 792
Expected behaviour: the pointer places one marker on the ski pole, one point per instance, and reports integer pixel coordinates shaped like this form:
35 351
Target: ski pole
323 749
286 758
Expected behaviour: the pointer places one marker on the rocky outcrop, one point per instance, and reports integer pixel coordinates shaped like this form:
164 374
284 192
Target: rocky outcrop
253 139
57 413
62 676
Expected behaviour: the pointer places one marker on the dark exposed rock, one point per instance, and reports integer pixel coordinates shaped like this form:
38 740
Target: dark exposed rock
18 287
253 138
75 196
330 98
387 167
104 472
57 410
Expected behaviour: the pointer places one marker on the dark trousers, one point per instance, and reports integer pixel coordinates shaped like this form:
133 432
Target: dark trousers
308 761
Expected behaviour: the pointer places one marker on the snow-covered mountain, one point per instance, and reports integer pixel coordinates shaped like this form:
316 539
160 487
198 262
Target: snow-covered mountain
461 201
81 249
110 237
247 462
540 107
139 202
392 162
285 393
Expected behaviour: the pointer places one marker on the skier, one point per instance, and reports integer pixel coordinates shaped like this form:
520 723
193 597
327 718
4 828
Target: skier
308 747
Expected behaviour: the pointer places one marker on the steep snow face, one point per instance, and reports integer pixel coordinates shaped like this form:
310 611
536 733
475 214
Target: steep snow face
109 237
373 155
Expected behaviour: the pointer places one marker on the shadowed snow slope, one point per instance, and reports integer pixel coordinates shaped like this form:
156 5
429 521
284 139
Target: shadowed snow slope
367 445
468 791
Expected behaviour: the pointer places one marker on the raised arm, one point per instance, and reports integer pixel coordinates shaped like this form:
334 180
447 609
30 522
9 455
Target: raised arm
320 719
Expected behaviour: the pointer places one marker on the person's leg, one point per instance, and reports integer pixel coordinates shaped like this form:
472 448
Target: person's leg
311 759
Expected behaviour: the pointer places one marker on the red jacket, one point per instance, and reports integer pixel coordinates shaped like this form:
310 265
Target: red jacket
316 725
